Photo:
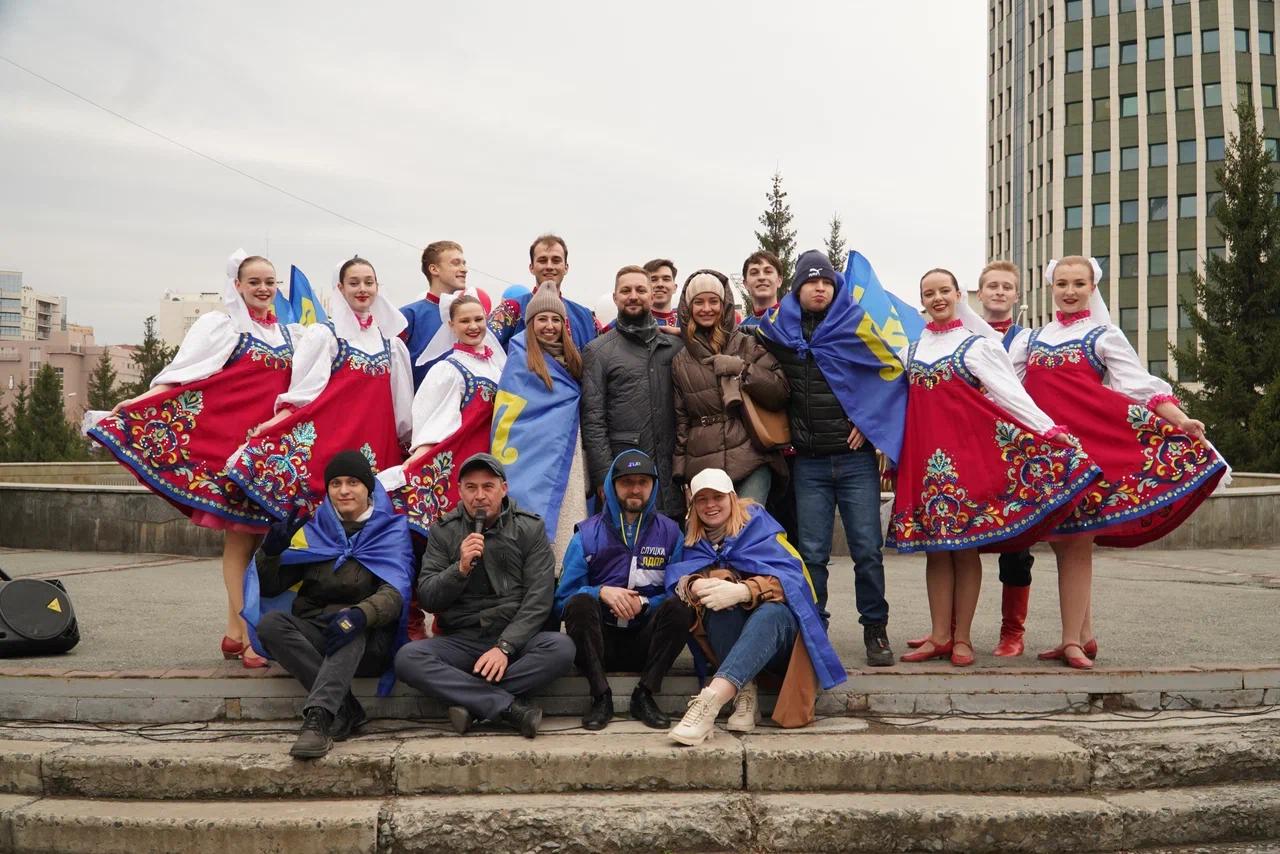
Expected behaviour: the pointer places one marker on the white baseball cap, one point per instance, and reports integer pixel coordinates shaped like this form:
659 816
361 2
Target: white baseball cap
711 479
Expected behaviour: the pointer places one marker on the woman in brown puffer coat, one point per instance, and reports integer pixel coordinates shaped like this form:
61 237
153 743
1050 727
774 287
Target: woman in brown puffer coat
716 367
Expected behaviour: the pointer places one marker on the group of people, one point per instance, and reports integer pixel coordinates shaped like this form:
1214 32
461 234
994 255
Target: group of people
430 493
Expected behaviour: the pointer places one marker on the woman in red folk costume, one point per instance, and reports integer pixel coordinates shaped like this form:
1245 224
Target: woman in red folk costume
176 437
452 413
982 467
1156 464
352 387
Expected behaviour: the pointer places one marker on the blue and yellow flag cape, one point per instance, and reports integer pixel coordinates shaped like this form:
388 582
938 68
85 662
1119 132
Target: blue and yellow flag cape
896 321
535 431
306 308
862 369
382 546
761 548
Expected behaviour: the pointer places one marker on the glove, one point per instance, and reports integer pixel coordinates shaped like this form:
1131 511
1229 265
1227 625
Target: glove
724 594
724 365
281 534
344 626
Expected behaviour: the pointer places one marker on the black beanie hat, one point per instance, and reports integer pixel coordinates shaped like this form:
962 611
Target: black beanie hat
813 264
349 464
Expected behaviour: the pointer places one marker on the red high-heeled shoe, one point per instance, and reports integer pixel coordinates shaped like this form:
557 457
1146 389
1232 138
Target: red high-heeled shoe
959 659
231 648
934 650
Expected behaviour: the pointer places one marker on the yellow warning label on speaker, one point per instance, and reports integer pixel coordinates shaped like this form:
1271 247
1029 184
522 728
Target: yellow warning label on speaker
54 605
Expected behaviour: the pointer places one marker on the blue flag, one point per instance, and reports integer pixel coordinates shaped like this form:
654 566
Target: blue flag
761 548
535 430
896 322
306 308
284 311
382 546
862 369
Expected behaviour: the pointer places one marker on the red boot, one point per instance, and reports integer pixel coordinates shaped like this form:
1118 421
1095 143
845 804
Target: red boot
1013 611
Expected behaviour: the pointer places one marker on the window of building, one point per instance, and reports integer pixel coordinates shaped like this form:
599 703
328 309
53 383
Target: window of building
1186 151
1128 5
1184 97
1101 109
1155 101
1211 201
1075 113
1184 318
1154 4
1182 44
1101 55
1075 10
1158 208
1186 260
1242 41
1244 92
1102 161
1075 60
1214 148
1158 263
1128 53
1104 264
1158 154
1129 211
1271 146
1128 266
1073 217
1158 367
1101 7
1101 213
1129 319
1128 158
1187 206
1209 41
1155 47
1269 95
1128 106
1213 94
1075 165
1266 42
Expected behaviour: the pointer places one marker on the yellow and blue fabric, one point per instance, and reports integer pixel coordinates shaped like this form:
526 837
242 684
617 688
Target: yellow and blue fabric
382 546
896 322
302 299
534 431
507 320
862 369
761 548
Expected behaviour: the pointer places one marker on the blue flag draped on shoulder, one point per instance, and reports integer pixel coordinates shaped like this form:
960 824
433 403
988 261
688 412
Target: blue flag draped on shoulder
382 546
896 321
761 548
535 431
306 308
860 366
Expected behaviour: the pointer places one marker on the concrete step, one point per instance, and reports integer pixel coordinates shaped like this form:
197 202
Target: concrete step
618 760
695 821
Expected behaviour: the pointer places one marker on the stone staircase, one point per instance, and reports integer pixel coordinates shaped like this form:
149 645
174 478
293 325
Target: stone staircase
840 786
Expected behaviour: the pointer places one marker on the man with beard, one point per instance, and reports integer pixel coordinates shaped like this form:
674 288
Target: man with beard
627 399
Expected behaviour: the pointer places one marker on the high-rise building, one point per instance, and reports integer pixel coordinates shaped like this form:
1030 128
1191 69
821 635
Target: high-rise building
178 311
27 315
1107 120
10 305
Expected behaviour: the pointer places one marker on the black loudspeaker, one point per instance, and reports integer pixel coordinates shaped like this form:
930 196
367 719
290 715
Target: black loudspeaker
36 618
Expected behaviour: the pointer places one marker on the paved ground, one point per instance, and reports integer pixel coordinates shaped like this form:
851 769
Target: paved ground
1151 608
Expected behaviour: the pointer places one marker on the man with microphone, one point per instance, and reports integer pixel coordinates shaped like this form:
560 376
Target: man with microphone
488 574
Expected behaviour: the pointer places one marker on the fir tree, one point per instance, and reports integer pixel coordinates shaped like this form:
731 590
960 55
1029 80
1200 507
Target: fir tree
19 427
5 434
835 245
103 393
150 358
51 436
1236 312
778 236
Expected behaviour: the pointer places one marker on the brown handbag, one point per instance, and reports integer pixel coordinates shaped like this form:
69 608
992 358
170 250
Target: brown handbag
770 429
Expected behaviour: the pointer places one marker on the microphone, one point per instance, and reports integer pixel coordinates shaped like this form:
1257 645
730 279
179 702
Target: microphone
478 528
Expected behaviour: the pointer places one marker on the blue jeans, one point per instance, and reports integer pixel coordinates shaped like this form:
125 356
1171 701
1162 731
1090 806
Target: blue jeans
756 485
852 482
747 642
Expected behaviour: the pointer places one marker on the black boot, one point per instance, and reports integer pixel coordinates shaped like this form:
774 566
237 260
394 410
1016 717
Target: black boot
522 717
645 709
460 719
351 716
314 741
599 713
877 640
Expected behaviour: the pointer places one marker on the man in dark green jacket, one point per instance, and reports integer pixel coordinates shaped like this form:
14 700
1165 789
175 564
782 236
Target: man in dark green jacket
488 575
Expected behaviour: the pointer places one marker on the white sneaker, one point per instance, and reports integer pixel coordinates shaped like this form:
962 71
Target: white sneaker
699 721
745 709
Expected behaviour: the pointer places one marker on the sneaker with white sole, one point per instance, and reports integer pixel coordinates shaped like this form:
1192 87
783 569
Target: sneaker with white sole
745 709
699 721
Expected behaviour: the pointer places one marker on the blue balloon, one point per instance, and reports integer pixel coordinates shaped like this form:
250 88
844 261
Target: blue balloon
515 292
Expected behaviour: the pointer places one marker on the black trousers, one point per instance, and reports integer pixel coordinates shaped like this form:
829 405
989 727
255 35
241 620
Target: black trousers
298 644
649 650
1015 568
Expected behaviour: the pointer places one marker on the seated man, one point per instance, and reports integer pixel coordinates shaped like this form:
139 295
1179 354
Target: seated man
488 575
611 593
353 559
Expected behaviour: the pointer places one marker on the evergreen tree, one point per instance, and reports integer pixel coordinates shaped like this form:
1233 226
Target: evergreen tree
835 245
51 437
151 358
1236 312
19 427
6 434
778 236
103 393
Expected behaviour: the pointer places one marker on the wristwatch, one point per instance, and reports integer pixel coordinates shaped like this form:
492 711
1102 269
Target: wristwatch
507 649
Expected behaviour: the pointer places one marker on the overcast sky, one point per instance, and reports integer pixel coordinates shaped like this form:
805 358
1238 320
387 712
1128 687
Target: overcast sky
635 130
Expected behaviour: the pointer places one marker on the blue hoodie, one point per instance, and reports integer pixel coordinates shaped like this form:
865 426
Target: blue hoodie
606 551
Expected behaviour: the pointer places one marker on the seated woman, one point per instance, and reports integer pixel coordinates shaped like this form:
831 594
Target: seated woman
756 612
352 562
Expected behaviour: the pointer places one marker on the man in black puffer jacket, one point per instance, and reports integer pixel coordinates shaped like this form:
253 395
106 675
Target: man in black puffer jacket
627 398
